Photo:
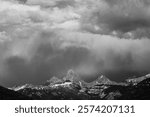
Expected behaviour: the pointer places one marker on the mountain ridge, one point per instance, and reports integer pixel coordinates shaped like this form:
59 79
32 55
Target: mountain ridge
71 87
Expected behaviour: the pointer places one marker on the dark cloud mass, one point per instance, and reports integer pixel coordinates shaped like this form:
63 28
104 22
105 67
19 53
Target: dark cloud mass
120 17
44 38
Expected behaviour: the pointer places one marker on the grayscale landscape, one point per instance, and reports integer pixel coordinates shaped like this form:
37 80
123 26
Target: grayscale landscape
74 49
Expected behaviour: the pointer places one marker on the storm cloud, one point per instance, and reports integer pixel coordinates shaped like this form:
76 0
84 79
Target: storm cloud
41 38
123 18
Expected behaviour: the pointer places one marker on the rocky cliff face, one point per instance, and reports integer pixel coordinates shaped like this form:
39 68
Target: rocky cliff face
72 88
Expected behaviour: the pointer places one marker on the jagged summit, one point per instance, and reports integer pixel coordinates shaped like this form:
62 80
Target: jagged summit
103 80
71 76
73 88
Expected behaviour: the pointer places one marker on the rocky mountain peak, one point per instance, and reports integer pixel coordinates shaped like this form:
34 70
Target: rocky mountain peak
71 76
102 80
101 88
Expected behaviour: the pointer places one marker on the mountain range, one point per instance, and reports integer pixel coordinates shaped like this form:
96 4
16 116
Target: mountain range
72 88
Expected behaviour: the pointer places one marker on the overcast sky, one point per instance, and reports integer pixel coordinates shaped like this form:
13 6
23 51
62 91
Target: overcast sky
44 38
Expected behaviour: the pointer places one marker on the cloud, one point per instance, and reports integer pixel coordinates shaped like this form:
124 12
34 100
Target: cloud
42 38
50 3
118 17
